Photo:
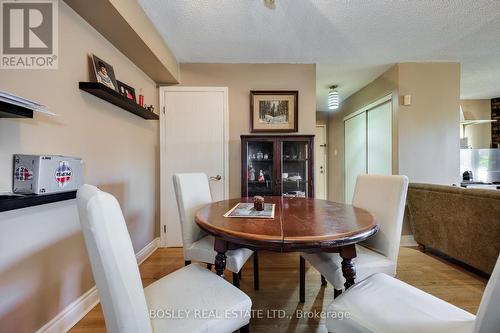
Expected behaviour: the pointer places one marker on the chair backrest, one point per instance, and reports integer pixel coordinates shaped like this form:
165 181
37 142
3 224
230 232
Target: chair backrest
488 318
385 197
113 262
192 192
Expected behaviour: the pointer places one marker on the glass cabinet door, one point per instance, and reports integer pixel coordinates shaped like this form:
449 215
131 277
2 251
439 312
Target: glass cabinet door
294 169
260 176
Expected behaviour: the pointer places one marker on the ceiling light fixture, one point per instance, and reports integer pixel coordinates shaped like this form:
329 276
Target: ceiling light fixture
333 98
271 4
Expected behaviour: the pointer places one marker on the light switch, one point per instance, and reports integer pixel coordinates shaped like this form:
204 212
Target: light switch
407 100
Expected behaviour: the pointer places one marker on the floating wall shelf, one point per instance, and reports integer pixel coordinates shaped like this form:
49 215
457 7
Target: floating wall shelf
113 97
10 202
8 110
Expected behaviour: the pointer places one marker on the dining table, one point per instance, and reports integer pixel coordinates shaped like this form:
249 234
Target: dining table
298 225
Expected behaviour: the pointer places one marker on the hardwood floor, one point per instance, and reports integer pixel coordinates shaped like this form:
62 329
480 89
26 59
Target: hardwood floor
279 287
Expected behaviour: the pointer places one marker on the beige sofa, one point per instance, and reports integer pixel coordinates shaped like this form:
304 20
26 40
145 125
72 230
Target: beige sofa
461 223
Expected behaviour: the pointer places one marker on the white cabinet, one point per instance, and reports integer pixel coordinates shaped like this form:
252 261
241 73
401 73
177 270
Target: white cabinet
368 143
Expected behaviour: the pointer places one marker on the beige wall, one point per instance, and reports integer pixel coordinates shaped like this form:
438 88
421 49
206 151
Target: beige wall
479 135
425 134
43 260
429 136
322 117
240 79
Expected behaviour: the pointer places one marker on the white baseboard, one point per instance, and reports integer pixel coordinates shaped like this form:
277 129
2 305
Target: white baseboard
147 250
72 314
408 240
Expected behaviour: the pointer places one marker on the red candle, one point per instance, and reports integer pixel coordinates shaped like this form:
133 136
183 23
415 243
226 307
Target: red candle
141 100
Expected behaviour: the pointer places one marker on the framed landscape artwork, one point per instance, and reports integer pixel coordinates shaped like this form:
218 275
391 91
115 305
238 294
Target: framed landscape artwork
274 111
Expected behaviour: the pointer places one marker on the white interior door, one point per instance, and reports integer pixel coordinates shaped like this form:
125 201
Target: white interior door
320 186
194 138
380 139
355 152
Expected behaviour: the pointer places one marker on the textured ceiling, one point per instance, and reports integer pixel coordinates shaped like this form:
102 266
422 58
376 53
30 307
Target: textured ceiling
351 41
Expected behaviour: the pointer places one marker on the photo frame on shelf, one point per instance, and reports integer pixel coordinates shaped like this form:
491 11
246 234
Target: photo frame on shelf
274 111
126 91
104 73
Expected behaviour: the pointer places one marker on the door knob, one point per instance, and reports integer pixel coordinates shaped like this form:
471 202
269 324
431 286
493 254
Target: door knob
217 178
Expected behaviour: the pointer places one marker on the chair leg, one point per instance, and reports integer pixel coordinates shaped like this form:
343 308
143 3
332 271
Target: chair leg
323 281
336 293
421 248
209 267
236 280
187 262
245 329
255 271
302 280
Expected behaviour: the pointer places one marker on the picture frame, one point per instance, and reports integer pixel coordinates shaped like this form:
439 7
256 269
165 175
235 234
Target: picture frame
104 73
274 111
126 91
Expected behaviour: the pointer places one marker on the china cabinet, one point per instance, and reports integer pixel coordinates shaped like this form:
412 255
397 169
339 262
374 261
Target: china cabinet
277 165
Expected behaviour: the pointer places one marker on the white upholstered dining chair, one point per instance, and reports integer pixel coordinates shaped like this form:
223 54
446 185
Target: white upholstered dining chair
192 192
385 197
383 304
128 308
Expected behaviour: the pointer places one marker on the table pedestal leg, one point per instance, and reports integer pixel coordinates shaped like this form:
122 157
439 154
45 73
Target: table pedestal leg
220 246
348 270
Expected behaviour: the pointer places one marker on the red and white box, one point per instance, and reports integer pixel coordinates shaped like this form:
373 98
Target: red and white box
46 174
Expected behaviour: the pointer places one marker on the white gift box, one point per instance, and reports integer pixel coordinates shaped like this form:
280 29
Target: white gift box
45 174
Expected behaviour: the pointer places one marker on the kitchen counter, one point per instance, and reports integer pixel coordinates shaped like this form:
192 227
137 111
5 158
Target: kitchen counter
480 185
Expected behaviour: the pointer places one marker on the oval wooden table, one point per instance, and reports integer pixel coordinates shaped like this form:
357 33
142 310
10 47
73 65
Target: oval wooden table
299 224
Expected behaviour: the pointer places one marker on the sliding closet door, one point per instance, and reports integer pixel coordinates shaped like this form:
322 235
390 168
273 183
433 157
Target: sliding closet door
380 139
355 152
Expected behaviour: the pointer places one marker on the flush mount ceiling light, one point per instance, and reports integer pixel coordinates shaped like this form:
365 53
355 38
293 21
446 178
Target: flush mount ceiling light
271 4
333 98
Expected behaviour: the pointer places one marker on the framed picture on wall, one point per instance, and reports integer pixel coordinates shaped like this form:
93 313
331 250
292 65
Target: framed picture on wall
126 90
104 73
274 111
